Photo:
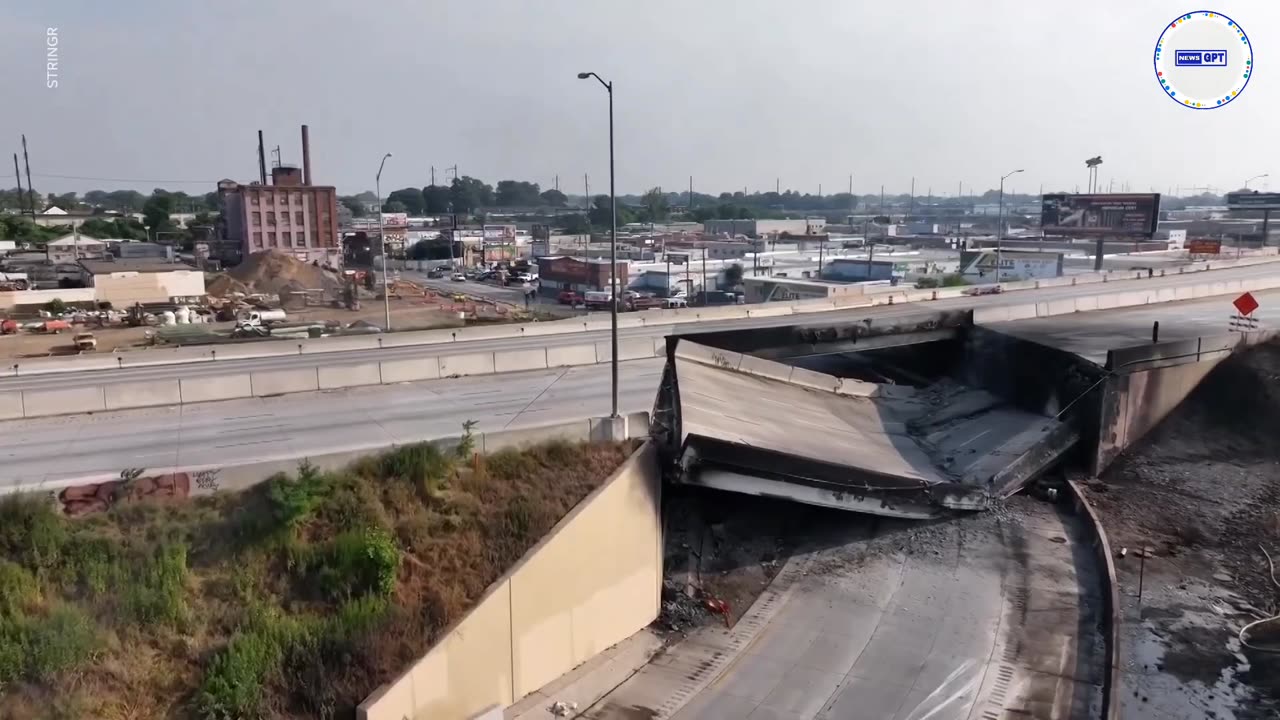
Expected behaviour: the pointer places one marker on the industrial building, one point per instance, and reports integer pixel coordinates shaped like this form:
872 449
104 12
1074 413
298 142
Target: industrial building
125 282
290 214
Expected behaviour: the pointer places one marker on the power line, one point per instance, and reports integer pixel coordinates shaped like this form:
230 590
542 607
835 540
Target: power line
128 180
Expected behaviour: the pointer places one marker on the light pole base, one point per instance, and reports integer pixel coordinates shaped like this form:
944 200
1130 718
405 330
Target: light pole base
609 429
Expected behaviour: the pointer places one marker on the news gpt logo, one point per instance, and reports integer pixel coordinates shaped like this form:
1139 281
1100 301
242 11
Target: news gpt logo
1203 60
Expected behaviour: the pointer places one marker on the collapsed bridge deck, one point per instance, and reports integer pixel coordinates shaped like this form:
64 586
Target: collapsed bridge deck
746 424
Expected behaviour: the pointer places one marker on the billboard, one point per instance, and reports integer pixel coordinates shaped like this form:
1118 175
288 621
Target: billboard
1014 265
395 219
1204 247
500 232
1253 201
1130 214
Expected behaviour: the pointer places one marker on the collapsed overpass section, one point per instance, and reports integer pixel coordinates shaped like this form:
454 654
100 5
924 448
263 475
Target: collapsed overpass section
742 423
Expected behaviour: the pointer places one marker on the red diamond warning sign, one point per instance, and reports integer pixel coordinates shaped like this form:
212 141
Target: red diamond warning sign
1246 303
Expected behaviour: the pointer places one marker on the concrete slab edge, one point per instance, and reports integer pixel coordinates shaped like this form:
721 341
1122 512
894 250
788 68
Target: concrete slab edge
1111 684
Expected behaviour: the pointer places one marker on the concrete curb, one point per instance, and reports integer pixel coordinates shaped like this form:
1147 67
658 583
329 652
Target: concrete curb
1111 595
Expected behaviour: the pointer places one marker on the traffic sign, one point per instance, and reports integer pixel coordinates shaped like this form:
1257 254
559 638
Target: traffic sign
1246 304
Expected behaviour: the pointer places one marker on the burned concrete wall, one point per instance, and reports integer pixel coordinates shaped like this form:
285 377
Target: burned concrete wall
1032 377
1148 382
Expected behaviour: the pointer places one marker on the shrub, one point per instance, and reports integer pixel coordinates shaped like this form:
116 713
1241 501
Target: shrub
59 641
233 683
954 280
92 563
155 593
926 283
18 589
355 563
56 306
13 654
293 500
31 532
417 462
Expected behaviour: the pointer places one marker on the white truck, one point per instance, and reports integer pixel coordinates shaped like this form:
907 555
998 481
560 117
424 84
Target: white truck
258 318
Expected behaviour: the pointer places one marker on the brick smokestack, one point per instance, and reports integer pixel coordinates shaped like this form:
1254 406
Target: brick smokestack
306 156
262 160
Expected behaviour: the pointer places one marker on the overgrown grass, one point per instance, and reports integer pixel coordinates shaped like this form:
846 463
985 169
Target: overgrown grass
294 599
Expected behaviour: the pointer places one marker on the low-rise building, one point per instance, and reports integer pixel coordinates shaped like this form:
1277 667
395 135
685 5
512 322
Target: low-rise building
125 282
556 274
70 248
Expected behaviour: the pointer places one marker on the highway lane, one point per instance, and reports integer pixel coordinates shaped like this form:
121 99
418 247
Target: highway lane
1091 335
253 429
989 615
207 368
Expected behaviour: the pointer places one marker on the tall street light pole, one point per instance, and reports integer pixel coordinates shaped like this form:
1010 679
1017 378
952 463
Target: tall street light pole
1255 177
1000 220
382 240
613 249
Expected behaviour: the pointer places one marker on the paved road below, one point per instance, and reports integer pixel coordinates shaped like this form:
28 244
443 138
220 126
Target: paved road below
981 617
313 423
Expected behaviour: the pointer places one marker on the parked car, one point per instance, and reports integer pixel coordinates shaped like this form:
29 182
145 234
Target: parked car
435 273
678 301
569 297
458 277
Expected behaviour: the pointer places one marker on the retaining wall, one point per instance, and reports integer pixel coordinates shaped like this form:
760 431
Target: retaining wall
1110 598
540 620
1147 382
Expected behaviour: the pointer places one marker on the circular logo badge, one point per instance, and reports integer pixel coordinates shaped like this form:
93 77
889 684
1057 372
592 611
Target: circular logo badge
1203 60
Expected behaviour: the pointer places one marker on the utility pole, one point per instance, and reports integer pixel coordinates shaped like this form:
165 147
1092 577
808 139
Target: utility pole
882 200
912 207
31 192
433 176
22 205
690 193
777 186
557 183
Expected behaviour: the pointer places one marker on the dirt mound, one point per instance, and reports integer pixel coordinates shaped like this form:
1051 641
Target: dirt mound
275 273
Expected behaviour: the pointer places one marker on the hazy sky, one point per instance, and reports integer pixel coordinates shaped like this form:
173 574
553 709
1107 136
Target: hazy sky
733 92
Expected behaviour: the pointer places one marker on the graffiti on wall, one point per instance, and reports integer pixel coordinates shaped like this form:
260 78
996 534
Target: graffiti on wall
134 485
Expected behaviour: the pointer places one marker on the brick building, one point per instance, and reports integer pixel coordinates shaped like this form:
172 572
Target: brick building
290 214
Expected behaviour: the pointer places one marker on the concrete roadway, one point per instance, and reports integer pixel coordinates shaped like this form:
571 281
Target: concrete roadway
305 424
190 370
1091 335
991 615
311 423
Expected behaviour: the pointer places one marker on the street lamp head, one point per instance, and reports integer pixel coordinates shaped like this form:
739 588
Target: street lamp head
384 157
1018 171
584 76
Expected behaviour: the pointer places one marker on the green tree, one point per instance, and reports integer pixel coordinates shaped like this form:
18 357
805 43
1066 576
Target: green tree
410 200
469 194
435 199
574 224
655 205
555 198
156 210
512 193
601 215
733 275
395 206
355 206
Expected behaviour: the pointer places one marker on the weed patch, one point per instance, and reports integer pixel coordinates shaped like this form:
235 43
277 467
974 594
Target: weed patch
295 598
